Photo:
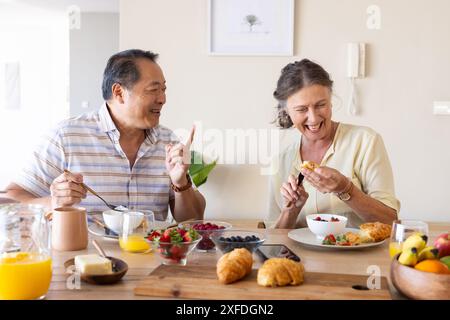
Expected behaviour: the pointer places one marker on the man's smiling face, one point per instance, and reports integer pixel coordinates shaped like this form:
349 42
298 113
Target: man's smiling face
144 100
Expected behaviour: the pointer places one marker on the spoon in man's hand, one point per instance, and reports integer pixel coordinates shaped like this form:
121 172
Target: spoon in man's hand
116 208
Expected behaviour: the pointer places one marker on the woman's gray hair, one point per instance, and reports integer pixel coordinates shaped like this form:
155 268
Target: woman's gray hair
294 77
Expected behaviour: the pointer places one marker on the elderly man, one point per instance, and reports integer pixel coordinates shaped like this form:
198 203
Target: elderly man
120 150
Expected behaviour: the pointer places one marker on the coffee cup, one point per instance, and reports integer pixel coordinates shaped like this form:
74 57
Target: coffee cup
69 229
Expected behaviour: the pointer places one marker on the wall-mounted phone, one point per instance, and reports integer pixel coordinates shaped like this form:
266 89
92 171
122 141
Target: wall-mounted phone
356 65
356 68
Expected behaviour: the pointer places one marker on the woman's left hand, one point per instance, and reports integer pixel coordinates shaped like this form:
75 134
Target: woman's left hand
326 179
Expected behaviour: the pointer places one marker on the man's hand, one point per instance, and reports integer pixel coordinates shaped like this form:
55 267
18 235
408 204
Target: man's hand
178 160
66 190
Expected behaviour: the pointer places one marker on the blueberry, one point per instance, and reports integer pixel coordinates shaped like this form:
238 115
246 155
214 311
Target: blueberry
228 240
233 239
248 238
222 239
239 239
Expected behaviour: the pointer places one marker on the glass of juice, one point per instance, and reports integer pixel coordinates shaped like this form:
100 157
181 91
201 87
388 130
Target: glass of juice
25 252
135 227
401 230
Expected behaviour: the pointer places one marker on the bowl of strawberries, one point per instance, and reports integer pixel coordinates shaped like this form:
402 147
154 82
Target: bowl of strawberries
174 244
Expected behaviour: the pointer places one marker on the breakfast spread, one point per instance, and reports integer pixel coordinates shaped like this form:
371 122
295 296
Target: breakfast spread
280 272
368 233
234 265
93 264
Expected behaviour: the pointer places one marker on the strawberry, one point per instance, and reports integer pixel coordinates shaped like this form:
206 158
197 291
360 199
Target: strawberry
175 252
167 232
182 232
187 237
164 238
153 235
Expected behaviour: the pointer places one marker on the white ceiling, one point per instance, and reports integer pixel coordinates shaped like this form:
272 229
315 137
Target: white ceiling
62 5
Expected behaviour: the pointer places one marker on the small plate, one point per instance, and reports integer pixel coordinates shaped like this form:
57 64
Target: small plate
305 236
121 268
96 230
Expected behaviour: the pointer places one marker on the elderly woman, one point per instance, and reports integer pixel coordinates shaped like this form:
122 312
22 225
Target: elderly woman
355 176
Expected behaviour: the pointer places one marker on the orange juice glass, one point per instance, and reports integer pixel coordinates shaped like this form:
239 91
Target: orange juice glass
135 228
25 259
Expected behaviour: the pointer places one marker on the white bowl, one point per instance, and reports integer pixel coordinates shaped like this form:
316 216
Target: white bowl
114 219
321 228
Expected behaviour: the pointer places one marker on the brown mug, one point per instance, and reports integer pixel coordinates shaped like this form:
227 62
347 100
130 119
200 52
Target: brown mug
69 229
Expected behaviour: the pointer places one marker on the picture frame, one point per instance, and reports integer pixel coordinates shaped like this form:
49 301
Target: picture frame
251 27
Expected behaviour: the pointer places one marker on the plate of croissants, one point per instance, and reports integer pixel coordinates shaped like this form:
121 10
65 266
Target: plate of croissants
368 235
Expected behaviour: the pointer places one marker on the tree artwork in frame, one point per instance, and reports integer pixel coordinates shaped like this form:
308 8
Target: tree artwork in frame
251 27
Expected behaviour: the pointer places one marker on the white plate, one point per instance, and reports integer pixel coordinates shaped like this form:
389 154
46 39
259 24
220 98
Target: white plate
305 236
96 230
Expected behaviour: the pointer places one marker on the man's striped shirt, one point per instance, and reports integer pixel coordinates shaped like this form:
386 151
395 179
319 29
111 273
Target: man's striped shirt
89 144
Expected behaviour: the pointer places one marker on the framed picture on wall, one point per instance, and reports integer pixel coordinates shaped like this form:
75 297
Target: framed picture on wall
251 27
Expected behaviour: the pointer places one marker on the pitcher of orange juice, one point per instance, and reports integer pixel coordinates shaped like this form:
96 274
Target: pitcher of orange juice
25 252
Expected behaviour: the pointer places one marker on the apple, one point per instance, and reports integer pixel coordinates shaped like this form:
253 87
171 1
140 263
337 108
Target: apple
442 243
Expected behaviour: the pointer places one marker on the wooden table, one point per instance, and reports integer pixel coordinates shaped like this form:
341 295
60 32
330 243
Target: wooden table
140 265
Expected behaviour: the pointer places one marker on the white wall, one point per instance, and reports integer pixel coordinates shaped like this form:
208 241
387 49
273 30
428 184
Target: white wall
90 47
408 69
38 40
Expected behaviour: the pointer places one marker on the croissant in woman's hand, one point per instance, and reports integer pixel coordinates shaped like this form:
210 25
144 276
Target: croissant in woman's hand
234 265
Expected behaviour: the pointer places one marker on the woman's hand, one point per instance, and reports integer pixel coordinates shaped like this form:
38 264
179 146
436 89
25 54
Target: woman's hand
294 196
326 179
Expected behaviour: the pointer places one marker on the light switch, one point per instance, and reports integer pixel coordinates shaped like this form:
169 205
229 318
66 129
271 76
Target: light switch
85 104
441 108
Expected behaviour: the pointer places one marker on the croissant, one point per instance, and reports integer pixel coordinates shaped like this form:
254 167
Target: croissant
374 231
234 265
280 272
311 165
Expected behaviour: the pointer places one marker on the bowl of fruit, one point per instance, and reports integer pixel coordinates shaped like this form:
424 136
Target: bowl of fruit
174 244
324 224
232 239
206 228
420 271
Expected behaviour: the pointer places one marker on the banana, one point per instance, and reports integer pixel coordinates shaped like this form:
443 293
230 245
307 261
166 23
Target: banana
408 257
428 253
417 240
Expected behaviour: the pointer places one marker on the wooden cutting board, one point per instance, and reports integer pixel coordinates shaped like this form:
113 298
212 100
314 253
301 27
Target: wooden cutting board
200 282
